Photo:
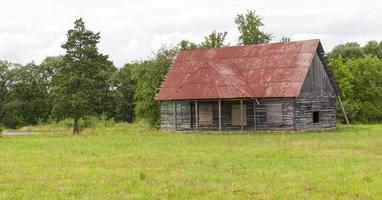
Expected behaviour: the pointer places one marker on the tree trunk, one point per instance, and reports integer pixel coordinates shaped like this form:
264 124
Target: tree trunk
76 128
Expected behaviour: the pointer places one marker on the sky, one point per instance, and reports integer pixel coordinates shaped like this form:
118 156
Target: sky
133 29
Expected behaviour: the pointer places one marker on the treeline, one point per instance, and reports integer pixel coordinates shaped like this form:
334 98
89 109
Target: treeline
358 71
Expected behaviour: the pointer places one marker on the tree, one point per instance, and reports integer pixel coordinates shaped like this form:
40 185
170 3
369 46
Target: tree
187 45
30 95
6 81
249 25
123 94
149 76
214 40
373 48
350 50
80 84
285 39
367 88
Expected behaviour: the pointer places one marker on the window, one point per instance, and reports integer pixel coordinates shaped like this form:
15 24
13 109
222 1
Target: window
316 117
205 114
274 113
235 115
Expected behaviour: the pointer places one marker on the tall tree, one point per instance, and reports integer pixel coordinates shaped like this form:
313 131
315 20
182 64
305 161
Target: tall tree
149 76
249 25
80 84
214 40
6 80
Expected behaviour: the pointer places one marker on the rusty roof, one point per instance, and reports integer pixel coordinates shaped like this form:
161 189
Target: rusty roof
252 71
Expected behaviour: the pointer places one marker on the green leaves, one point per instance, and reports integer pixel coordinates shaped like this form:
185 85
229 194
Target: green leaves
149 76
361 85
81 84
214 40
249 25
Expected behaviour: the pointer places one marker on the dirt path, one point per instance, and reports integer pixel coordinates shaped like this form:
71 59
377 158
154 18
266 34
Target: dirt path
18 133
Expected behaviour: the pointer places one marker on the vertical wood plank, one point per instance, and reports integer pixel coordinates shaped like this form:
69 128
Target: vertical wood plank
241 114
196 115
175 120
254 115
220 115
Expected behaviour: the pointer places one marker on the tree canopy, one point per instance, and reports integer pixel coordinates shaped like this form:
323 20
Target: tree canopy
249 25
214 40
80 86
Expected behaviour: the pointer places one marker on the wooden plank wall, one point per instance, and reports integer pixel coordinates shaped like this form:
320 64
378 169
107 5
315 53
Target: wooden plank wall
279 110
186 119
305 106
295 114
166 115
317 81
317 94
183 115
226 112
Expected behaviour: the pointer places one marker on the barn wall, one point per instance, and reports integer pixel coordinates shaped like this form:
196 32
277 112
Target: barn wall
317 82
271 114
270 117
317 95
182 115
305 106
226 112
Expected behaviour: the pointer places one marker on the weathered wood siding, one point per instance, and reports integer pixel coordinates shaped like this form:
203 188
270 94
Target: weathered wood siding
304 108
226 115
316 81
316 95
274 114
182 115
266 112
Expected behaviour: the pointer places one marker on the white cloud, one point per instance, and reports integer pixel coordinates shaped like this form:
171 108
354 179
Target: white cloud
131 30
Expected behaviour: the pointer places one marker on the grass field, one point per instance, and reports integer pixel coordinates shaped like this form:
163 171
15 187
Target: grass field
125 161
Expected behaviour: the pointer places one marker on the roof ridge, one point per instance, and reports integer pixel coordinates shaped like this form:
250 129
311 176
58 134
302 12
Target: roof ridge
238 46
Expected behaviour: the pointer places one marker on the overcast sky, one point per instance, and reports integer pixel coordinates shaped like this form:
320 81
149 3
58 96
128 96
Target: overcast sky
134 29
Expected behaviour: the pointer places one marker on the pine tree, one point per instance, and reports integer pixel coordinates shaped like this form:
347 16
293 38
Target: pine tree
81 83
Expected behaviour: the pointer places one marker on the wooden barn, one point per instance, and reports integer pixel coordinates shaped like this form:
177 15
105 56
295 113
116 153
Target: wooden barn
265 87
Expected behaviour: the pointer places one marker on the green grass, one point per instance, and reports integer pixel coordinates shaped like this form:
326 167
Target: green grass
123 161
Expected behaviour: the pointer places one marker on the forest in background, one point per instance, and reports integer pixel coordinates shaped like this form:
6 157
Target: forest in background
85 83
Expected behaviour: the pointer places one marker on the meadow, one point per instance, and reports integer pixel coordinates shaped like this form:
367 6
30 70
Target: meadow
131 161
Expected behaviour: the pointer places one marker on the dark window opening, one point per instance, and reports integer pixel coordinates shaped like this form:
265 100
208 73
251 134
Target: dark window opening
316 117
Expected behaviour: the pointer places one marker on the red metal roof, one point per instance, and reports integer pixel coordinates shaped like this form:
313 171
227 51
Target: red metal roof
252 71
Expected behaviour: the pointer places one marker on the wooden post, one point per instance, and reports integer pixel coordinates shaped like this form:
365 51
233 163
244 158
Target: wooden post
220 115
241 114
196 115
343 110
175 120
254 115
